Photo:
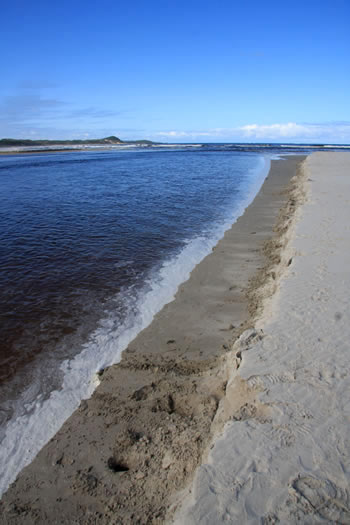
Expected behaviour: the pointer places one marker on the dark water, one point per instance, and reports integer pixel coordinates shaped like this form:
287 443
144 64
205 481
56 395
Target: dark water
92 245
79 229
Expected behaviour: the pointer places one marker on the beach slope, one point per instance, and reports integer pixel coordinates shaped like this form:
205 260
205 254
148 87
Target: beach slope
284 457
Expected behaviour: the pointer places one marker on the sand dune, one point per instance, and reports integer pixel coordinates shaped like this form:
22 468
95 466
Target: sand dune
284 456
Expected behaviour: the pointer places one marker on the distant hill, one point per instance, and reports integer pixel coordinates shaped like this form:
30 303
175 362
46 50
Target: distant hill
107 140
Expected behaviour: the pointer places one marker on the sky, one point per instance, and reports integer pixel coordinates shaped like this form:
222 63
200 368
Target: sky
179 71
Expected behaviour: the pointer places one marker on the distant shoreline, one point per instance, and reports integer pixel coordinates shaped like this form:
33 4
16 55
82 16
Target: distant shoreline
28 147
8 142
58 149
34 151
15 146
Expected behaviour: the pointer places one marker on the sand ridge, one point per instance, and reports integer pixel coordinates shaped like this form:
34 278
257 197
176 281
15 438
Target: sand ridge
284 456
138 440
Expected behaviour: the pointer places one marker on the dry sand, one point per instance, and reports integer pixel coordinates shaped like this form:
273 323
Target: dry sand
284 457
125 454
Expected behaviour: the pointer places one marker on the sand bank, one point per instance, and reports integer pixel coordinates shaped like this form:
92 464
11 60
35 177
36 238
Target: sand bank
125 453
285 455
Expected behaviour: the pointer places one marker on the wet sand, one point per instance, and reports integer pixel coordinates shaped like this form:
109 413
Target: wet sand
128 451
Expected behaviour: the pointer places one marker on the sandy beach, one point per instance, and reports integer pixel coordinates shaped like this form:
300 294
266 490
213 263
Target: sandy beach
284 456
267 428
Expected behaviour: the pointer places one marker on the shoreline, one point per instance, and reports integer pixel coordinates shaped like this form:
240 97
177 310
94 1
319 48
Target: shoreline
37 152
241 401
130 446
283 455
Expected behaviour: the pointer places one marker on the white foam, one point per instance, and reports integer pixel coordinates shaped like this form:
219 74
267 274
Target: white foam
345 146
26 435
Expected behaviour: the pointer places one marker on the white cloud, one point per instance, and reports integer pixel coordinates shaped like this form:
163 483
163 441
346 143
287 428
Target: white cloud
182 134
336 132
30 113
172 134
332 132
291 129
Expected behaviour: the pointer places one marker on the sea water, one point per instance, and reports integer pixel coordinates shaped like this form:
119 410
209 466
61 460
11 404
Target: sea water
92 245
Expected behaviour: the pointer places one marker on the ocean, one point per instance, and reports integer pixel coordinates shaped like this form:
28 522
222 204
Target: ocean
92 245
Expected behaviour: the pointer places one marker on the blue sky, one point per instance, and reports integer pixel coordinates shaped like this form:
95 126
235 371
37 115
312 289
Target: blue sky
182 71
